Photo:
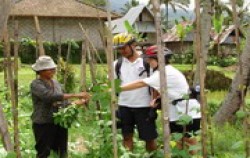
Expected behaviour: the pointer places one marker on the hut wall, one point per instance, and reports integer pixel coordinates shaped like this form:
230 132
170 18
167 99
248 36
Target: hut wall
54 28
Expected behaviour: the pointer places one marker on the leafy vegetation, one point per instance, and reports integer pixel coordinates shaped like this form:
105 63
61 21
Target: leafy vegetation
91 137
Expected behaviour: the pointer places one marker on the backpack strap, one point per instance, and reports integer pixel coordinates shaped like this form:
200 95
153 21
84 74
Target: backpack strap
146 68
118 66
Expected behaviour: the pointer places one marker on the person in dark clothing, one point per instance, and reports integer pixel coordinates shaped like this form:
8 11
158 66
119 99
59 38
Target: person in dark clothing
48 97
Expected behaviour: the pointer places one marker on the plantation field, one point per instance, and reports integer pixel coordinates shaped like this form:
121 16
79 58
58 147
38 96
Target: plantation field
91 136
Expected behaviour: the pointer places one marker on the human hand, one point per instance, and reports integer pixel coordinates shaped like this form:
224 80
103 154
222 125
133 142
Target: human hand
83 95
80 102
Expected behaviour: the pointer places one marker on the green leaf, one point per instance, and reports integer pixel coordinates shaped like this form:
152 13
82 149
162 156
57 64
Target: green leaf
11 154
184 120
241 114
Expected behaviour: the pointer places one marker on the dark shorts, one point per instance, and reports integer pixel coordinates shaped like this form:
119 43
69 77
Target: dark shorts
140 118
190 128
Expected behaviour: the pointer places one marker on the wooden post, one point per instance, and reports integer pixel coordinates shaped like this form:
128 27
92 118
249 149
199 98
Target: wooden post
15 106
4 12
83 65
163 90
39 36
59 56
67 65
110 59
4 131
12 88
202 79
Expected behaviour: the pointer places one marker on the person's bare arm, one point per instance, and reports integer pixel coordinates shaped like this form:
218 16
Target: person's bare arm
133 85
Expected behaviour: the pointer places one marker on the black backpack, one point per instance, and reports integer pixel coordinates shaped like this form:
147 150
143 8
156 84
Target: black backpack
119 64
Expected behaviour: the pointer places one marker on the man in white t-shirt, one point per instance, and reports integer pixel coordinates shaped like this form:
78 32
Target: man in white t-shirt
177 87
134 105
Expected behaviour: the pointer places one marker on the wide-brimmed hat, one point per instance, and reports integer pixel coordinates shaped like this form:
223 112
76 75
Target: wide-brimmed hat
44 63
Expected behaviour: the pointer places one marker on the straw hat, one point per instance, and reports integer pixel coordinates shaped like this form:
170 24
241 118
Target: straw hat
44 63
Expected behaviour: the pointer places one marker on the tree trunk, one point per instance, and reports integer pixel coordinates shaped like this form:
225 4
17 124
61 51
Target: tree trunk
163 90
4 131
4 12
203 27
233 99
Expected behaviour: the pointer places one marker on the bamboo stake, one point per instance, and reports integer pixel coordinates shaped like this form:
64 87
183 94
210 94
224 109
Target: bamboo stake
67 65
163 76
39 36
59 56
15 106
87 38
4 131
83 66
246 126
5 8
12 89
202 79
110 59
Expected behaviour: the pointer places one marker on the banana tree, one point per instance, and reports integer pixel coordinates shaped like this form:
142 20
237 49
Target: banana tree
218 23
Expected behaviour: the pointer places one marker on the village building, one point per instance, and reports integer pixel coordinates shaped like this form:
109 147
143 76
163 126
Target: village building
226 39
141 19
59 20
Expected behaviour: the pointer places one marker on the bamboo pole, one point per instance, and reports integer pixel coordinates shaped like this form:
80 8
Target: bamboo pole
5 8
163 76
83 66
67 65
15 106
202 79
12 89
4 131
39 36
110 59
87 38
59 56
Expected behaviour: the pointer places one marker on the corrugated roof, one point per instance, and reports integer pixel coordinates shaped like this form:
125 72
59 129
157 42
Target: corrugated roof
172 36
224 38
57 8
131 17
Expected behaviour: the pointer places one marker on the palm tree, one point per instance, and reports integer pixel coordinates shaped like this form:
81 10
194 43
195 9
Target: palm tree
182 4
130 4
224 8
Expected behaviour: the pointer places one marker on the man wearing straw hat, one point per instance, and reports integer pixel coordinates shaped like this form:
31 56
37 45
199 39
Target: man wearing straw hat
47 98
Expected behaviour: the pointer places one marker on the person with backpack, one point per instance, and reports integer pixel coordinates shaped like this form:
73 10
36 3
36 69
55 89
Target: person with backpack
133 106
177 88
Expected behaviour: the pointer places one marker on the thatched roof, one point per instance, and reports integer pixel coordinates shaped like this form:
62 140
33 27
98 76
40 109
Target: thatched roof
57 8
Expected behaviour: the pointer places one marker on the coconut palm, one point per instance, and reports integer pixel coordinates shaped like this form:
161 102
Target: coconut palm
130 4
224 8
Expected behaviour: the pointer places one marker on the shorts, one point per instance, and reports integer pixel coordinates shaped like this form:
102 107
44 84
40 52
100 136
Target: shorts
140 118
190 128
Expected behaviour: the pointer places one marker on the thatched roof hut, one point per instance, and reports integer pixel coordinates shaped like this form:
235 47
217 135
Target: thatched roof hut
59 19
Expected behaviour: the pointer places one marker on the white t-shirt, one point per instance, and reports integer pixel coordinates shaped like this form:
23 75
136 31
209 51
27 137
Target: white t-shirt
129 72
177 87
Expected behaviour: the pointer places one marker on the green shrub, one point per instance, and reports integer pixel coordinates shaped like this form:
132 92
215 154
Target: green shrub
215 80
28 51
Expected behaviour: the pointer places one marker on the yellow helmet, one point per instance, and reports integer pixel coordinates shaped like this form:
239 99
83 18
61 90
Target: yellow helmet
122 39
